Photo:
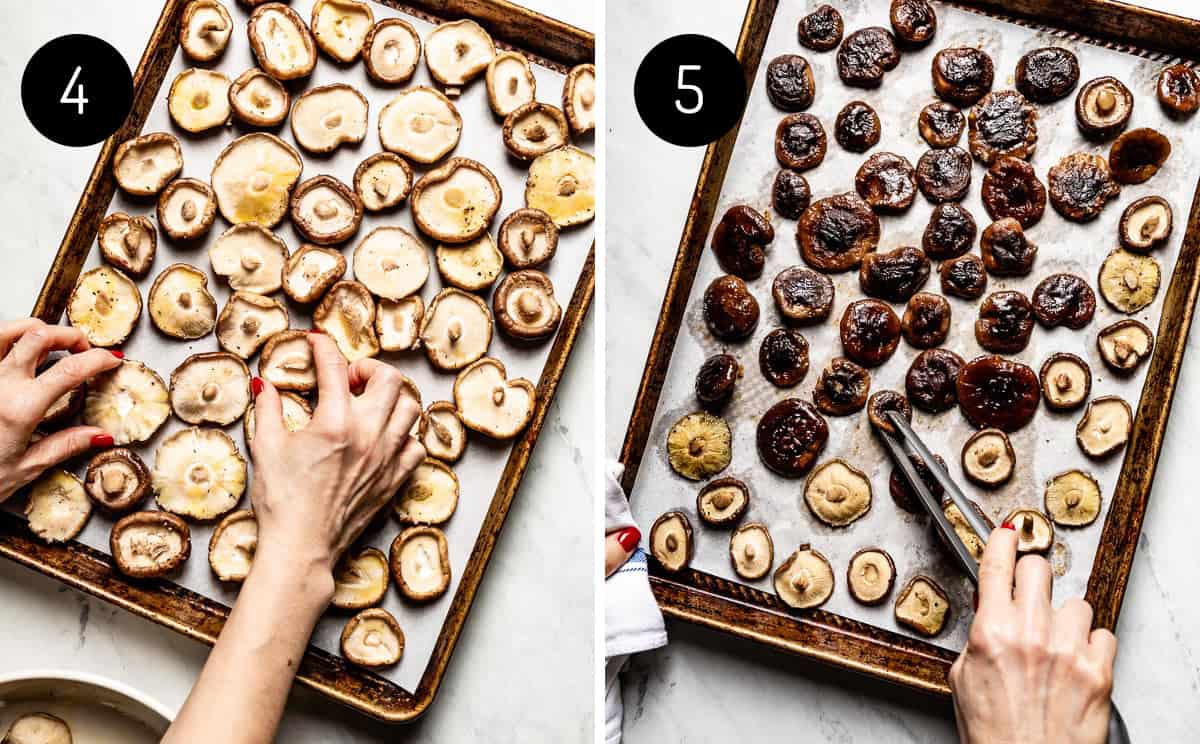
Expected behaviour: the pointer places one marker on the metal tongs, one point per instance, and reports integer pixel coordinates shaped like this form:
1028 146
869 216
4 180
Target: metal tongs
903 442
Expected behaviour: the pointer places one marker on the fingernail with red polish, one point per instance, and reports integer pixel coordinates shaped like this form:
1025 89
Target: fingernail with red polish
102 440
117 354
629 538
1008 526
314 330
256 385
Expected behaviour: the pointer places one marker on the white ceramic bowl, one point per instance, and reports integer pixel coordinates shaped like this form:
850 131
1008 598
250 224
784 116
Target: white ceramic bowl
51 690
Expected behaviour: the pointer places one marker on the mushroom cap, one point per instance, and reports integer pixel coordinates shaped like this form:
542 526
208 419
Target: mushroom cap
456 329
129 402
922 606
751 551
838 493
420 563
398 323
421 124
281 42
534 129
347 315
253 178
1105 426
455 202
287 362
490 403
186 209
311 271
1035 531
258 99
510 82
870 575
805 579
247 321
382 181
198 473
64 408
38 728
144 165
562 183
105 306
391 51
988 459
671 541
296 415
528 238
579 99
1102 123
360 579
391 262
180 304
232 545
1066 381
205 30
325 210
442 431
199 100
373 638
1146 224
1073 499
458 51
972 541
429 496
722 502
57 506
1129 281
117 480
699 445
340 27
1124 345
128 243
212 388
473 265
147 544
328 116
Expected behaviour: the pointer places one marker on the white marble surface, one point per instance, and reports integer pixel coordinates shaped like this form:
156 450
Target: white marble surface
706 687
533 616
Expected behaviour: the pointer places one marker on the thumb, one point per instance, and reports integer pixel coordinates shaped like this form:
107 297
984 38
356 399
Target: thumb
268 417
63 445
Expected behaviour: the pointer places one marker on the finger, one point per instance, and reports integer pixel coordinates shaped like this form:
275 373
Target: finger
404 415
269 429
13 330
61 446
72 371
378 381
31 349
1034 584
1072 625
618 546
333 383
1102 645
996 569
408 456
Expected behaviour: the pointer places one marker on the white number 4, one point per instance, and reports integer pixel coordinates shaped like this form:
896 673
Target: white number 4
78 100
691 88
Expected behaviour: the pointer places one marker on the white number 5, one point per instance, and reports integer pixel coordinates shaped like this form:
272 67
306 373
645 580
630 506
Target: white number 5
78 100
689 87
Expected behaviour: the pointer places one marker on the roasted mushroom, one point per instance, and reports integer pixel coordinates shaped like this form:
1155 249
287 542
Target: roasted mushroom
963 277
789 81
1064 299
287 362
360 579
429 496
1066 381
887 181
913 21
143 165
783 357
790 437
1129 281
38 728
1005 249
562 183
391 262
821 30
247 321
391 51
841 388
57 506
253 178
442 431
1137 155
281 42
455 202
1124 345
870 332
186 209
751 551
902 491
1103 107
790 194
883 402
296 411
421 124
894 276
250 257
802 296
805 579
722 502
148 544
128 243
232 545
944 174
870 576
528 238
926 320
1002 124
1011 189
1145 224
198 473
325 211
340 27
129 402
311 271
456 329
1047 74
373 639
973 542
716 379
1073 499
579 99
258 99
205 30
534 129
1035 532
698 445
800 142
931 380
347 315
998 393
836 232
326 117
730 311
524 306
212 388
837 493
1179 90
199 100
962 75
941 124
398 323
950 232
457 52
671 541
923 606
857 127
865 55
740 239
1005 322
1105 426
492 404
105 306
988 459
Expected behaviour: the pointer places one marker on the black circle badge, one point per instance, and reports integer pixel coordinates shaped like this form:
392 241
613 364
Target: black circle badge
690 90
76 90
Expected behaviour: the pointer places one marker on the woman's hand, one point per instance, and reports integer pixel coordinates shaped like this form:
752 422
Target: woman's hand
24 346
1030 672
618 546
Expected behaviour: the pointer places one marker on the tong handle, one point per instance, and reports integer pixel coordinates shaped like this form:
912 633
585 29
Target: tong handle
1117 733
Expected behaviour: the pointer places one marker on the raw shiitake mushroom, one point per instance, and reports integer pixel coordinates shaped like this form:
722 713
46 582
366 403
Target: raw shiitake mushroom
420 563
212 388
740 239
944 174
836 232
1047 74
949 233
38 728
458 52
783 357
65 408
143 165
1124 345
887 181
296 411
999 393
941 124
281 42
473 266
671 541
1011 189
790 194
870 332
456 329
253 178
128 243
1080 185
105 306
716 380
129 402
930 383
1145 224
1005 249
429 496
962 75
1066 381
287 362
870 576
821 30
884 402
842 387
329 116
790 437
802 296
751 551
528 238
382 181
391 262
1002 123
837 493
525 307
895 275
421 124
1035 531
455 202
117 480
926 320
805 579
1179 90
205 30
492 404
148 544
1103 107
247 321
347 315
398 323
1005 322
534 129
250 257
57 506
1105 427
923 606
722 502
198 473
699 445
579 99
511 84
1073 499
340 27
186 209
914 21
325 210
1129 281
902 491
442 431
963 277
258 99
973 542
730 311
1064 299
865 55
1137 155
988 459
789 82
199 100
360 579
391 51
232 545
311 271
800 142
373 639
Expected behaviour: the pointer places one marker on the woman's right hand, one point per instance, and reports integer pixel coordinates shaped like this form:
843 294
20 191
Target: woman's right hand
1030 672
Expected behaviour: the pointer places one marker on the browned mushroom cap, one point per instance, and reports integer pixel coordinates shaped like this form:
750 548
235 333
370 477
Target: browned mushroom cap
962 75
950 232
998 393
1011 189
790 437
870 332
340 27
802 296
894 276
1035 531
57 506
1005 249
730 311
420 563
800 142
360 579
887 182
740 239
579 98
836 232
186 209
212 388
1137 155
391 51
525 307
881 403
1005 322
199 100
914 22
783 357
1103 107
491 403
398 323
838 493
821 30
258 99
232 545
870 576
751 551
105 305
205 30
1124 345
1047 74
1080 185
129 243
382 181
147 544
373 638
1073 499
455 202
857 127
1179 90
926 320
1064 299
963 277
789 82
281 42
805 579
325 210
923 606
347 315
456 329
528 238
790 194
253 177
931 380
865 55
941 124
1105 426
443 432
287 362
1146 224
1066 381
841 388
534 129
143 165
716 379
902 492
988 459
326 117
671 541
310 271
944 174
722 502
1002 123
247 321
